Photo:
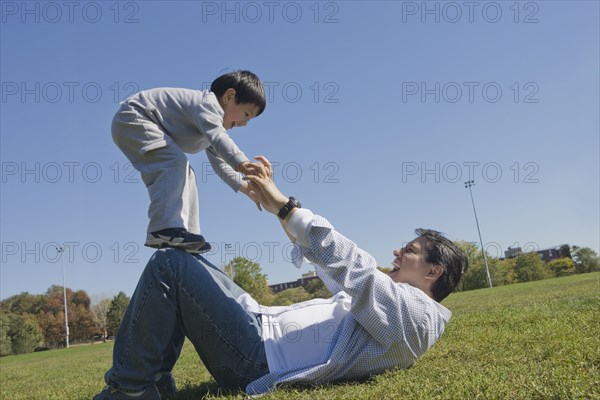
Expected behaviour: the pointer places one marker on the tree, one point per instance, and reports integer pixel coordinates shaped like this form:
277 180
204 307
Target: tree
52 322
55 299
529 267
248 275
506 271
83 328
115 313
586 260
52 326
100 316
25 333
562 266
291 296
23 303
5 339
317 289
476 276
81 298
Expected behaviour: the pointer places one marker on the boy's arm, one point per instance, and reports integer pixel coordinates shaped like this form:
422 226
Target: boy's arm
209 118
224 171
227 174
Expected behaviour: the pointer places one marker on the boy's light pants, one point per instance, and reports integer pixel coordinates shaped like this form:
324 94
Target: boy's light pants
164 168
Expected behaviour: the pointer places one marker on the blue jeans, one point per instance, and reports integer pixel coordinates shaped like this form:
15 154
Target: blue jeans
181 295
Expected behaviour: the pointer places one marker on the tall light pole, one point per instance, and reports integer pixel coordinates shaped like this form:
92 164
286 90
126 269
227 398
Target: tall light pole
60 251
468 185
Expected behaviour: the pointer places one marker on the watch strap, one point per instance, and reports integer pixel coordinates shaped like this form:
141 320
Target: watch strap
285 210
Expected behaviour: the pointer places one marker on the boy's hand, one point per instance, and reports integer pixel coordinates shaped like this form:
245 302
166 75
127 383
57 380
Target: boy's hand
256 168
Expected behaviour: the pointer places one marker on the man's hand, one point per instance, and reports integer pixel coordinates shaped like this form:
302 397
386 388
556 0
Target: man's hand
261 168
245 188
262 189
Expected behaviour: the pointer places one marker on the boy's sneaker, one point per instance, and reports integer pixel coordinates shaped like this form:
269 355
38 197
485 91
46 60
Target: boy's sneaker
207 247
175 237
151 393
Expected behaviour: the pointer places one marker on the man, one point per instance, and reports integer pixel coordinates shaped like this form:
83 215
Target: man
373 322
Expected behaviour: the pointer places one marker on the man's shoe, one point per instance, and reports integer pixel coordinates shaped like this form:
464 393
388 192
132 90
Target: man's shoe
166 384
151 393
175 237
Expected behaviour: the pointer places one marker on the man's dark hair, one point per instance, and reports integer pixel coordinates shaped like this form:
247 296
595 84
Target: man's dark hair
444 252
248 88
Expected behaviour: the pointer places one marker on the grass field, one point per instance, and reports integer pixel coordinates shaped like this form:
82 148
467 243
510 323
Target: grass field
538 340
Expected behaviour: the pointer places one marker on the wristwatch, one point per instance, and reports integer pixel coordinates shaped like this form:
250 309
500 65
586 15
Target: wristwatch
285 210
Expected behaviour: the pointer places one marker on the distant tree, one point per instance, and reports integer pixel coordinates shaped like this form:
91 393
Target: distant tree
52 326
51 319
5 339
476 275
55 299
529 267
99 312
82 328
317 289
23 303
562 266
586 260
506 272
25 333
115 313
248 275
291 296
81 298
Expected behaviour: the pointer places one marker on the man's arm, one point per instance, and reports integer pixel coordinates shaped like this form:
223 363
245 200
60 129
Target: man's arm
391 313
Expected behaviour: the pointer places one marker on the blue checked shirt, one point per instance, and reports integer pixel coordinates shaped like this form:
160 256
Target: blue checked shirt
389 325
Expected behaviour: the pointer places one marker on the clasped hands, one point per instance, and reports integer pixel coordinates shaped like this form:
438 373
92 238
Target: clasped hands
261 187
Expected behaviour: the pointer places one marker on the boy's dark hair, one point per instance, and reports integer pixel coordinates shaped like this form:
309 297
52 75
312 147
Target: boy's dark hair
444 252
248 88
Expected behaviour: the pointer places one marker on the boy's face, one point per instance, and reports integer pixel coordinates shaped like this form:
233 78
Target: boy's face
236 114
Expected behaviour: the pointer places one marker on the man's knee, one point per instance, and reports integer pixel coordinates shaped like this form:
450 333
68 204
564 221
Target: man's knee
177 260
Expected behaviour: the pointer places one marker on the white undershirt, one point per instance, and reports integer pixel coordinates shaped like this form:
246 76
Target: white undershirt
300 337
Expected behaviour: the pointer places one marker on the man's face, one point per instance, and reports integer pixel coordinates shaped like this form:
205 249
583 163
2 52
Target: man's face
410 265
238 114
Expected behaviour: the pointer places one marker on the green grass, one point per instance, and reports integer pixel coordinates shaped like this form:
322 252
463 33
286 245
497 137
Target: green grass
538 340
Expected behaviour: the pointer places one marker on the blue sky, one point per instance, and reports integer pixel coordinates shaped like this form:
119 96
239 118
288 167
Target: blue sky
377 114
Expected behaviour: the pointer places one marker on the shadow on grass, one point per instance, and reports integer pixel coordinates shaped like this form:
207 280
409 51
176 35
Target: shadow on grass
204 390
213 390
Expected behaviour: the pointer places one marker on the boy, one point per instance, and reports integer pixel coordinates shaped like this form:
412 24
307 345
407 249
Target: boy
155 128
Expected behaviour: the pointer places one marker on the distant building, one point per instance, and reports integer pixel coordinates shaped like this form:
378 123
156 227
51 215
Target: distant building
302 282
546 255
512 252
555 252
